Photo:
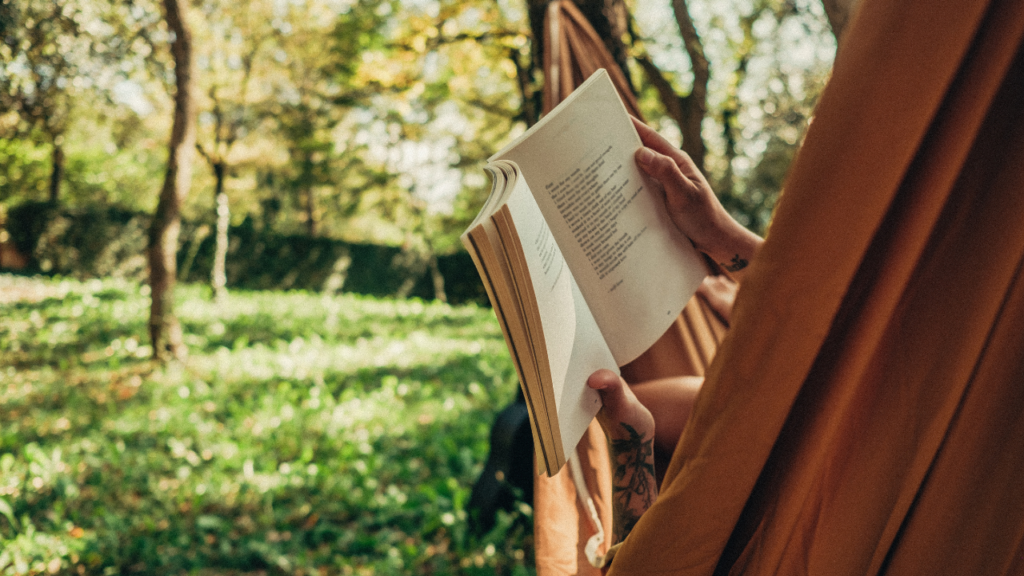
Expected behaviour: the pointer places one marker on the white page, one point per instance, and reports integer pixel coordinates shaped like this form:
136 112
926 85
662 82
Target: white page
574 343
495 278
579 163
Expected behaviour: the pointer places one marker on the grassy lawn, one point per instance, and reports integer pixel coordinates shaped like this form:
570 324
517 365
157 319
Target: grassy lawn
304 435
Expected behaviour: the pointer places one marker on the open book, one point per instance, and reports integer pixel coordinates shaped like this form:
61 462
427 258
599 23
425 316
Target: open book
580 261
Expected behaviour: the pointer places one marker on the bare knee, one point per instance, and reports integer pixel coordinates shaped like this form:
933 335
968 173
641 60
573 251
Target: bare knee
670 401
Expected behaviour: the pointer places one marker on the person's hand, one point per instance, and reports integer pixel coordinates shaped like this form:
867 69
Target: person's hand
692 204
630 430
620 407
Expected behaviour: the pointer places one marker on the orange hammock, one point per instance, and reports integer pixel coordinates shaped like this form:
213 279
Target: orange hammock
865 413
563 521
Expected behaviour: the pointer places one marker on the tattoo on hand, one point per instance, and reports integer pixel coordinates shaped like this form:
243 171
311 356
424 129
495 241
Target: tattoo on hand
737 264
634 487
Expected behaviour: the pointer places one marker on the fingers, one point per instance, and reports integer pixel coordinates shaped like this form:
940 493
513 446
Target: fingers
656 142
691 203
652 139
683 195
620 405
660 167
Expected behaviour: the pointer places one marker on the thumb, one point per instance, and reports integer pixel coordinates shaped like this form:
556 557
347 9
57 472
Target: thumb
610 387
620 410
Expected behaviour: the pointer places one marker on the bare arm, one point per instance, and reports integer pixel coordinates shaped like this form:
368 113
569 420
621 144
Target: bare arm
692 204
630 430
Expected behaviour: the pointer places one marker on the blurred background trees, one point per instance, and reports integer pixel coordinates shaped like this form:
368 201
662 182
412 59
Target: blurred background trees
359 122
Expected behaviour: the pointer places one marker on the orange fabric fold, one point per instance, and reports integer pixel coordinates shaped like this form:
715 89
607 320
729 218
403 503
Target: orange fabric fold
562 524
851 421
572 52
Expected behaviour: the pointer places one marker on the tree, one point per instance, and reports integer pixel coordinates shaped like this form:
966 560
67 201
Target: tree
65 65
612 22
451 109
235 36
688 110
765 108
45 51
164 329
321 59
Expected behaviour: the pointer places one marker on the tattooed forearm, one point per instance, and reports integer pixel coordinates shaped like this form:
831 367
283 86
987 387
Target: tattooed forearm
634 487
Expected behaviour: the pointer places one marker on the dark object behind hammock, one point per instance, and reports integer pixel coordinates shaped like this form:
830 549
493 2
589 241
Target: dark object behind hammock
508 475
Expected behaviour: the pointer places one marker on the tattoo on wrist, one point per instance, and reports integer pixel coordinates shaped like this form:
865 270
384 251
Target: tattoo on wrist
736 265
633 485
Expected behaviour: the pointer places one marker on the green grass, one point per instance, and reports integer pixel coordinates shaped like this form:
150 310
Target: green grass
304 435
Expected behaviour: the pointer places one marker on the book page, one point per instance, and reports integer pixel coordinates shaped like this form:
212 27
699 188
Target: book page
574 344
484 246
547 325
634 268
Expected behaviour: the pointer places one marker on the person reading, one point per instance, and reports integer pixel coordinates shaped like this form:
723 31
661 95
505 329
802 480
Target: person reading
639 418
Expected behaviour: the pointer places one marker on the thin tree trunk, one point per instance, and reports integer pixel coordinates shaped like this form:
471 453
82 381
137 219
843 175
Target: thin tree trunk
218 276
695 105
731 107
438 278
310 212
531 97
57 171
407 285
687 111
193 250
164 329
610 20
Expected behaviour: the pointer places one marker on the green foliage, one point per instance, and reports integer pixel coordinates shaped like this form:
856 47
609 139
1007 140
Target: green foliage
366 120
110 241
306 434
24 169
94 241
112 169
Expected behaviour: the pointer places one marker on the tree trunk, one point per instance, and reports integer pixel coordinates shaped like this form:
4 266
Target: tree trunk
690 110
164 330
694 107
610 20
310 197
532 98
731 108
218 276
57 171
438 279
193 250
